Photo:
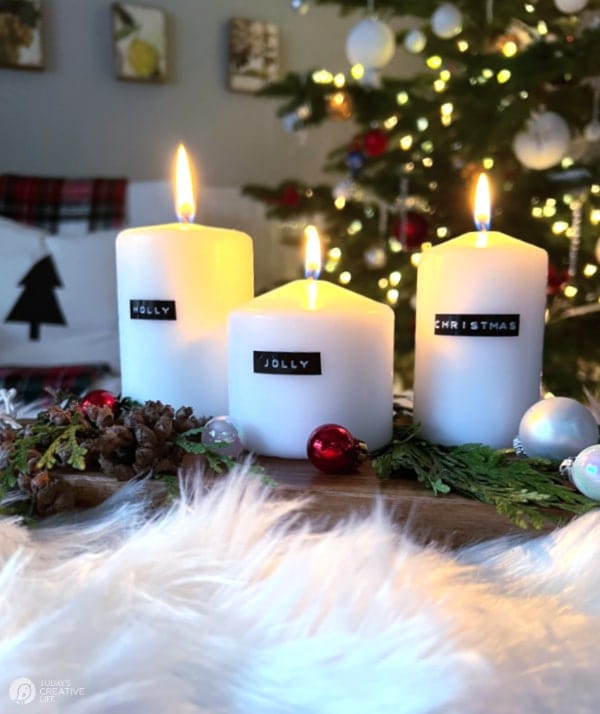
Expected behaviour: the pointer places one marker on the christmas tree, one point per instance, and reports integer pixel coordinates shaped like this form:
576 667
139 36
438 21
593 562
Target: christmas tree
510 88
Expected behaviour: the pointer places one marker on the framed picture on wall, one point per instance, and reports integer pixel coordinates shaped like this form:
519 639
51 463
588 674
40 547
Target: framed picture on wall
140 42
21 45
254 54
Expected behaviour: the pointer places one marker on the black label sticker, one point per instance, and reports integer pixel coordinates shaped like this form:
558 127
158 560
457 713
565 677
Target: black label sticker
287 362
477 325
152 310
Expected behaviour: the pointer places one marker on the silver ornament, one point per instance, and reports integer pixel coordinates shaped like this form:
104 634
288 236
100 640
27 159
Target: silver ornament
585 472
220 436
557 428
591 131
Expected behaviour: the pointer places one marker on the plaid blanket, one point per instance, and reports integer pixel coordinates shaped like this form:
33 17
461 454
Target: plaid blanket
48 202
30 382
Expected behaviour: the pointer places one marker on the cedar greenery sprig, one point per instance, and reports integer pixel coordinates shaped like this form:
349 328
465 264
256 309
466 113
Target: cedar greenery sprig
529 491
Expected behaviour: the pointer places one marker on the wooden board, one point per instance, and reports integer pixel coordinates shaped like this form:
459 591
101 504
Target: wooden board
450 521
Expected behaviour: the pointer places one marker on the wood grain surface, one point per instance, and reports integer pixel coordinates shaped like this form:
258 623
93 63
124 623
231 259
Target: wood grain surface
450 521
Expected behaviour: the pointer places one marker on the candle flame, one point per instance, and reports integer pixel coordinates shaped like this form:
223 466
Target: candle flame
185 203
312 260
482 209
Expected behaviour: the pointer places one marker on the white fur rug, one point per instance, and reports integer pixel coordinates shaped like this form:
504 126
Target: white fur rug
222 605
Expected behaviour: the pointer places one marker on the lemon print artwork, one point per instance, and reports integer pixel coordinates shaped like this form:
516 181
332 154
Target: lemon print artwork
143 58
139 35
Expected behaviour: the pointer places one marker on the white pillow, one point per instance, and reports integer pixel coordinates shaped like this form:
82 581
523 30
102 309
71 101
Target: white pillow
85 297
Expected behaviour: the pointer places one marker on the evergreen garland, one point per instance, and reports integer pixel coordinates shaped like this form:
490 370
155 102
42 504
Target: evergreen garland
530 492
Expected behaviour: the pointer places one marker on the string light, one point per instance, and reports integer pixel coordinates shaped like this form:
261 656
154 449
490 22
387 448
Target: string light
406 142
503 76
542 28
383 283
590 270
488 163
392 296
395 278
354 228
422 124
595 216
434 62
390 122
339 202
559 227
345 277
439 85
322 76
441 232
402 98
339 80
357 71
570 291
509 48
462 45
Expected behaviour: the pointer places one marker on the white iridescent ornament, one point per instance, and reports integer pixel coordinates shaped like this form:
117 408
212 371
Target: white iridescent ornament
446 21
544 142
221 436
570 6
557 428
415 41
584 471
370 43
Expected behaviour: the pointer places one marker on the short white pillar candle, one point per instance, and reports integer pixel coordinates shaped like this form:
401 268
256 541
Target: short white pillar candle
306 354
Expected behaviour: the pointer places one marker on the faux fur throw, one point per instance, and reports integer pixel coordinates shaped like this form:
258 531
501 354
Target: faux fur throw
228 604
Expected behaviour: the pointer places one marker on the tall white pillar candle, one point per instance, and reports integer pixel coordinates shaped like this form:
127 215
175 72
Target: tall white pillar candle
479 337
176 284
306 354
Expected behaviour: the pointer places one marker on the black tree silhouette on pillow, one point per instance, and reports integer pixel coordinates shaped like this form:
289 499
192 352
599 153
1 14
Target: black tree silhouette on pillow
37 303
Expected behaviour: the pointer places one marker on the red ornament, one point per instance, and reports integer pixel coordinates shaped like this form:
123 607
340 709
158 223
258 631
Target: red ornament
375 142
556 280
290 196
413 232
332 448
99 398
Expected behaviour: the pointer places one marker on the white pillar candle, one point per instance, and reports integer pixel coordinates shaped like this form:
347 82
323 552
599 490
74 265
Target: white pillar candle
479 336
176 284
306 354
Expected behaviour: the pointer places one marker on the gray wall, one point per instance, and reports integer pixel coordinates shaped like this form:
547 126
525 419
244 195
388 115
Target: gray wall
76 119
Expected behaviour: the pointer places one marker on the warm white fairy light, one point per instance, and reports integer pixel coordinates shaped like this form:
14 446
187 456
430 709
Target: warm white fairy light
559 227
395 278
322 76
523 94
394 245
509 48
487 163
354 228
503 76
441 232
590 270
392 296
357 71
567 162
446 108
445 75
595 189
529 7
595 216
536 212
334 253
406 142
542 28
390 122
439 85
570 291
339 80
339 202
434 62
422 123
487 73
415 259
383 283
402 98
427 146
462 45
345 277
548 211
427 162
